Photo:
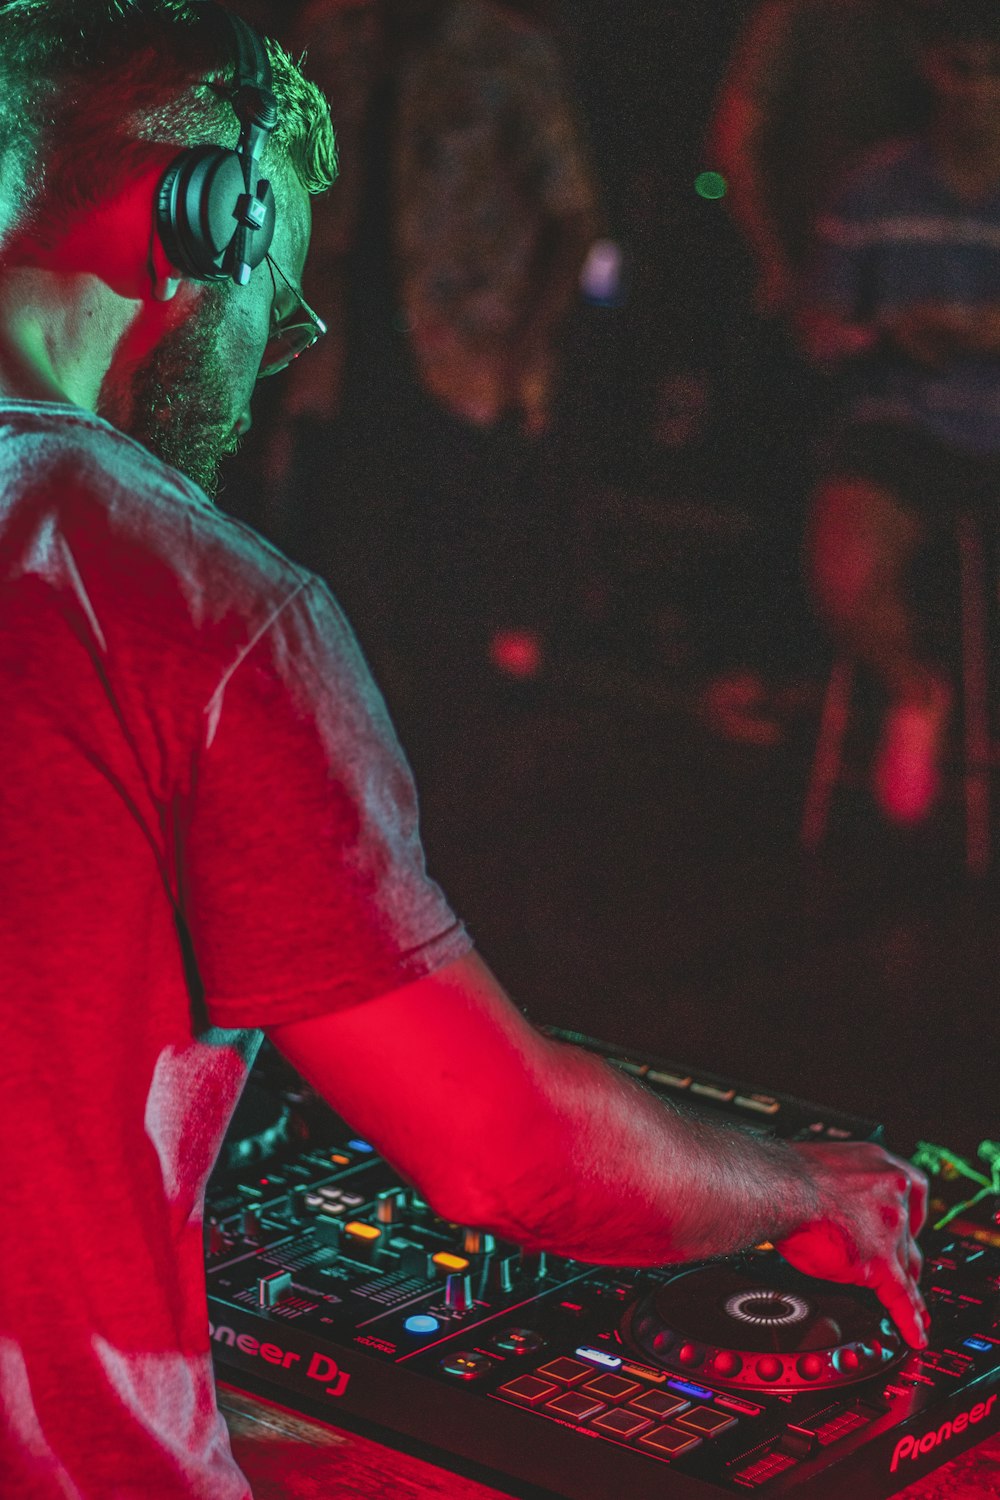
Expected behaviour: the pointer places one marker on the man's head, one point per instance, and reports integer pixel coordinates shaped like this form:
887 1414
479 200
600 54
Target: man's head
961 45
97 98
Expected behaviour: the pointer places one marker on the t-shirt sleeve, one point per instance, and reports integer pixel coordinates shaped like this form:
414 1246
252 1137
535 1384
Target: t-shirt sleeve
302 873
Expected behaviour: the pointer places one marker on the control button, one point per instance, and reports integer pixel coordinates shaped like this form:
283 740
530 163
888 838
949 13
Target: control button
519 1341
362 1234
706 1422
362 1146
691 1355
688 1388
981 1346
669 1441
421 1323
599 1357
736 1403
669 1080
612 1387
575 1404
622 1423
528 1389
658 1404
567 1371
644 1372
271 1289
847 1361
445 1261
762 1103
770 1368
471 1366
811 1366
726 1364
713 1091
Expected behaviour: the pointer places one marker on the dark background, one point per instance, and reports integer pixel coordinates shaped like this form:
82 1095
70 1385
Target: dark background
627 866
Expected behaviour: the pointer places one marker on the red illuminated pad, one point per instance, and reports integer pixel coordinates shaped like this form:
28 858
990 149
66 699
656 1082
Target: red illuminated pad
622 1423
574 1404
612 1387
706 1422
669 1441
567 1371
659 1404
528 1389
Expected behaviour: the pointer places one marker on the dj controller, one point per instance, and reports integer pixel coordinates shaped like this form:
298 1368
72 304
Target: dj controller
334 1288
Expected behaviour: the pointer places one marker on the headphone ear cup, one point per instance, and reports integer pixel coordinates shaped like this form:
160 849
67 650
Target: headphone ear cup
196 213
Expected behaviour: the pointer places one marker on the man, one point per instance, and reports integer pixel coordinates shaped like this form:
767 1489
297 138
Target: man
903 303
811 85
208 827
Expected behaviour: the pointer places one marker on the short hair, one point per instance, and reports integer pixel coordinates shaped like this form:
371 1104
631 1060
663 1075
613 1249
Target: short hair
944 21
88 86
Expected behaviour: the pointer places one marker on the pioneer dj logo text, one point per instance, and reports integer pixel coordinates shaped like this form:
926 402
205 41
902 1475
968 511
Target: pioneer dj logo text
320 1368
912 1447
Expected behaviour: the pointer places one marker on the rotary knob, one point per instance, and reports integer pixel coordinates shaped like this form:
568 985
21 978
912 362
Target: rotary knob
389 1206
477 1242
458 1292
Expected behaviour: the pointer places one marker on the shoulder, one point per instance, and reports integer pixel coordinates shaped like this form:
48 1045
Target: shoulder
153 536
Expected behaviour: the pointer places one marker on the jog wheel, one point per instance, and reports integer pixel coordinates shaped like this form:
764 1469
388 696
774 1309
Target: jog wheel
758 1325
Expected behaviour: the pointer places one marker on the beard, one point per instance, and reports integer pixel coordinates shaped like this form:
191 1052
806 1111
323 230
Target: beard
179 401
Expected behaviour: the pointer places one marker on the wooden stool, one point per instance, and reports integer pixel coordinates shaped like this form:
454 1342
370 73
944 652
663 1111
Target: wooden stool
827 763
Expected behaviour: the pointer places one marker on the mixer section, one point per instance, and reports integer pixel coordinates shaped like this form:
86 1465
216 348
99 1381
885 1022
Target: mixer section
334 1286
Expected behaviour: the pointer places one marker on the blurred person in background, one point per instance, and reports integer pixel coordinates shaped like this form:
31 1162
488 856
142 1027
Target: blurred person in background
448 259
904 304
811 85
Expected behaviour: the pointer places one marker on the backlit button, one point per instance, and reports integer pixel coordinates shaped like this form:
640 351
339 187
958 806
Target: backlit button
528 1389
467 1365
669 1441
770 1368
811 1366
445 1261
762 1103
362 1234
712 1091
612 1387
669 1080
574 1404
622 1423
706 1422
519 1341
421 1324
658 1404
726 1364
566 1371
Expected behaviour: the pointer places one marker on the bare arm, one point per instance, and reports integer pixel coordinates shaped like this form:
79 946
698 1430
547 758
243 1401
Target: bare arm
503 1129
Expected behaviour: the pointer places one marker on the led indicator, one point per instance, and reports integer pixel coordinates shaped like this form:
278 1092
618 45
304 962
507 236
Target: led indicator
366 1232
449 1262
361 1146
598 1357
711 185
340 1160
685 1388
421 1324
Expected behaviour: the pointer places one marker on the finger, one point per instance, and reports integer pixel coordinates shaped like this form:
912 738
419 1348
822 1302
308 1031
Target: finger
901 1299
919 1195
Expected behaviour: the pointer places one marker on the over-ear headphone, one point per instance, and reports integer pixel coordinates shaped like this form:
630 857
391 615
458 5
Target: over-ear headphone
215 213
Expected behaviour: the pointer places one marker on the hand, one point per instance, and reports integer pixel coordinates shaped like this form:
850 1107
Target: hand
871 1209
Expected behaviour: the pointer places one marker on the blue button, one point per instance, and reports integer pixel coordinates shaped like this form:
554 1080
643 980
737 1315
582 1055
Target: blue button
360 1146
422 1324
980 1344
598 1357
685 1388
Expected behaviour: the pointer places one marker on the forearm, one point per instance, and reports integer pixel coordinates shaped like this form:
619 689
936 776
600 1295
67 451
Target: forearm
613 1175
